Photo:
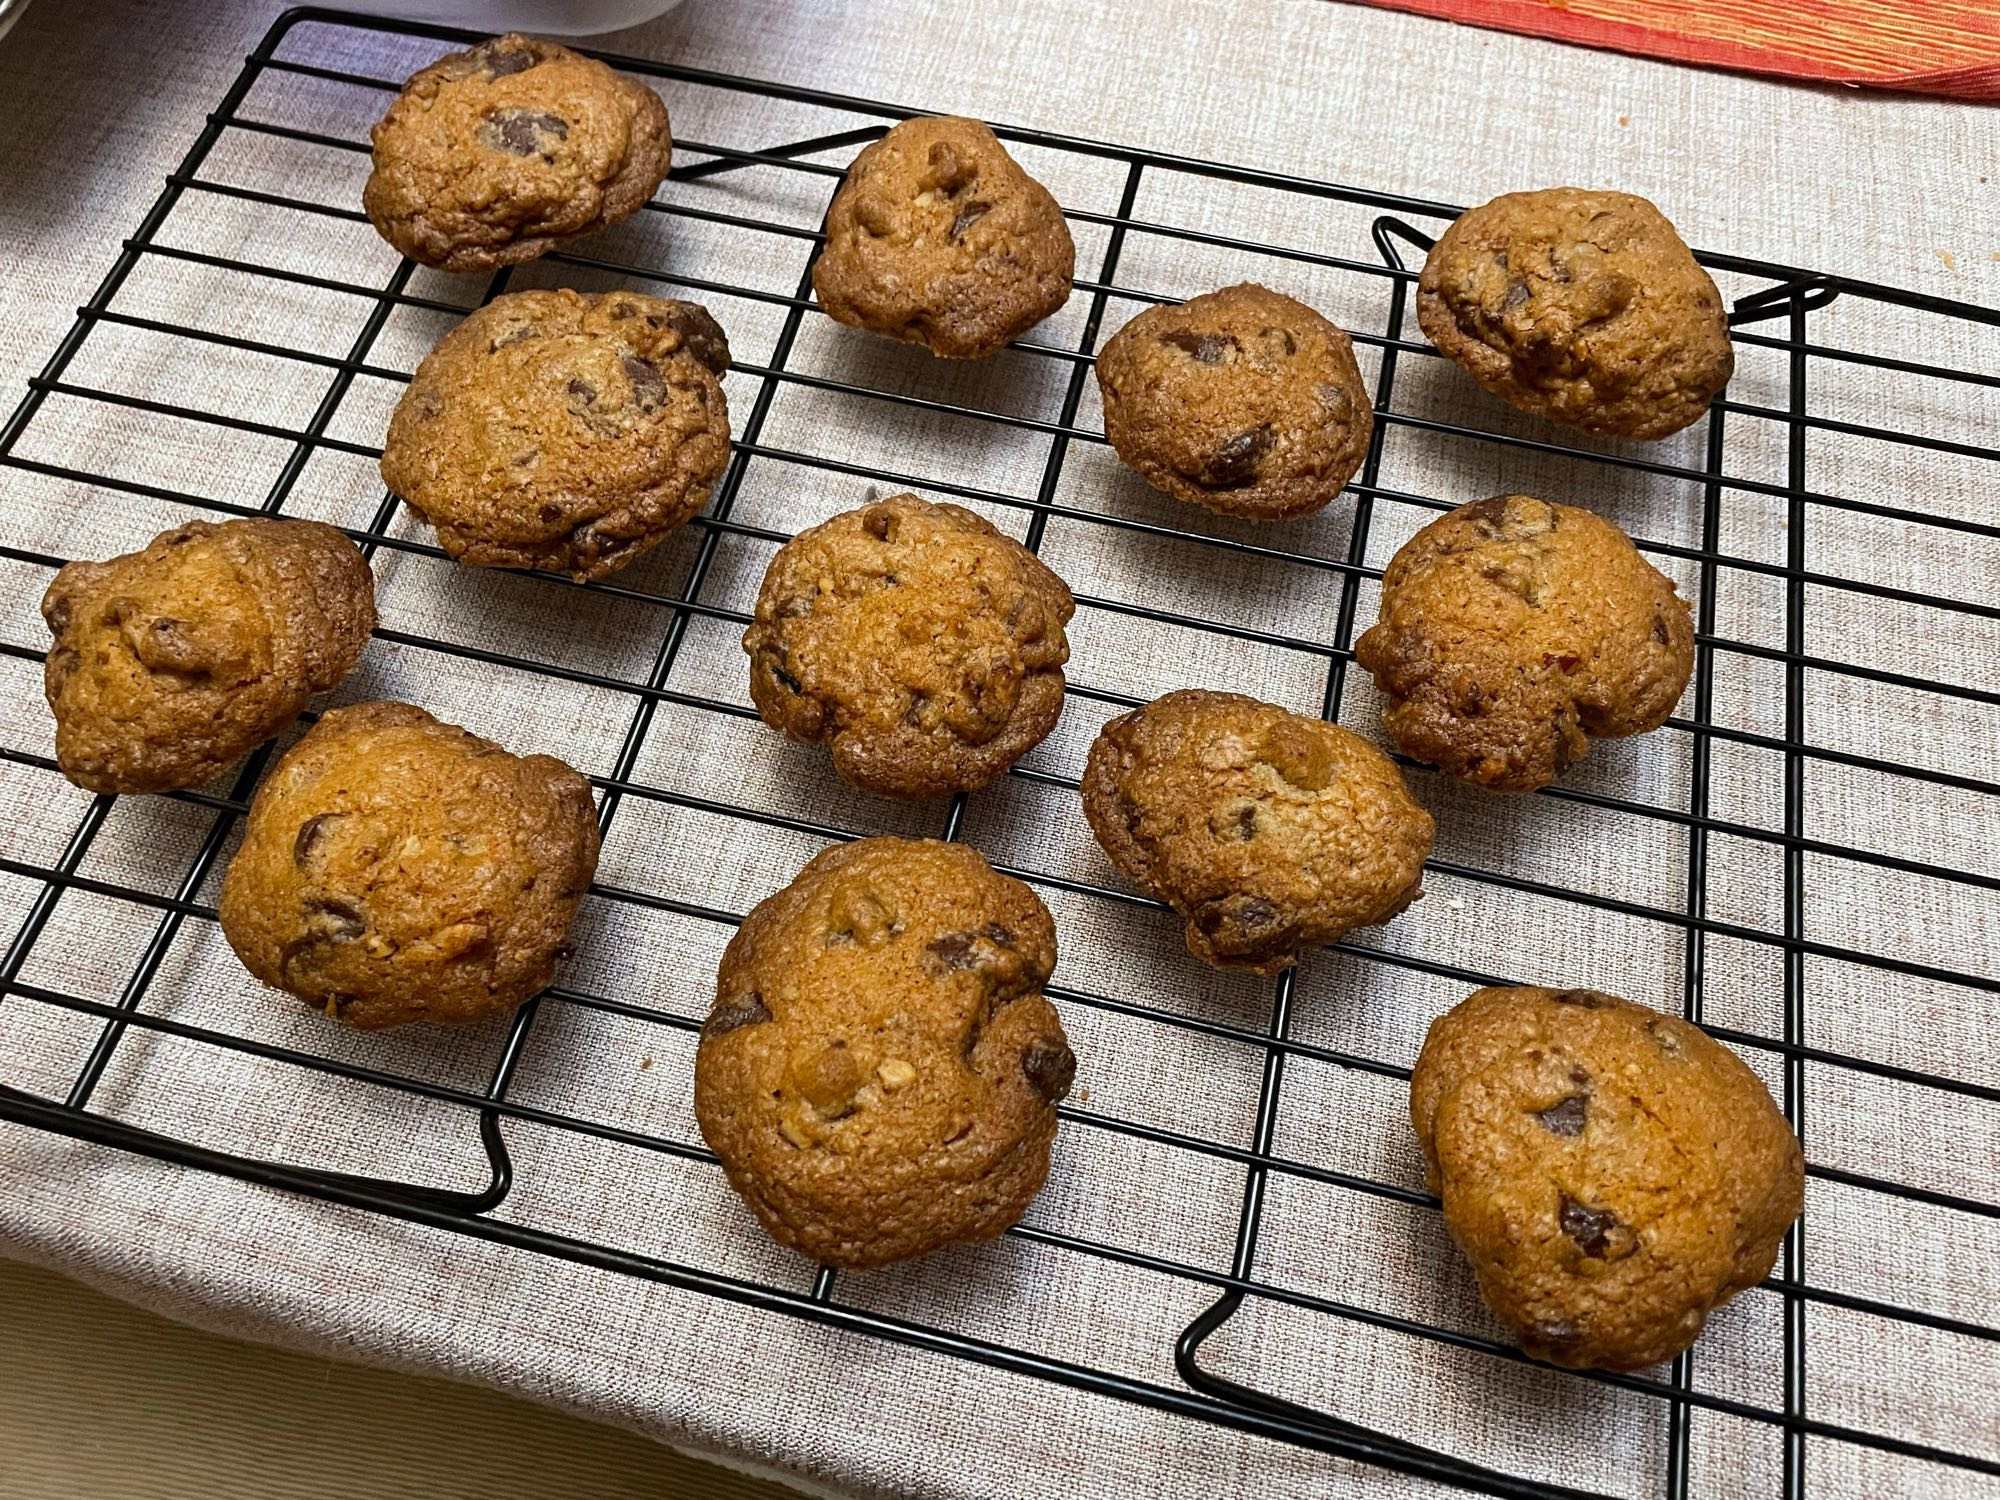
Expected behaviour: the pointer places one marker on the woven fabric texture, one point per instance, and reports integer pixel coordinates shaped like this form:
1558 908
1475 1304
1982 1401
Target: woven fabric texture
1880 187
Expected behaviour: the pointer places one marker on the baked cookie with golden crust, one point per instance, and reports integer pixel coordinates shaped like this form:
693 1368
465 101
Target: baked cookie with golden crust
172 662
491 156
395 868
880 1071
1613 1174
563 430
922 645
1269 832
1580 306
1513 631
937 237
1242 401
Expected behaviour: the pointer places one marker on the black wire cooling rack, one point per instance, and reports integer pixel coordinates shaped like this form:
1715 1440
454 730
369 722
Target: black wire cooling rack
1774 318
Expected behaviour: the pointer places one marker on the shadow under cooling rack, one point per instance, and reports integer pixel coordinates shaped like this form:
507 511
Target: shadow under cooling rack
1752 876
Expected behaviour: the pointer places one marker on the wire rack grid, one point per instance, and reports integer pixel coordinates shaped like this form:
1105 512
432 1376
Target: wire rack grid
1737 865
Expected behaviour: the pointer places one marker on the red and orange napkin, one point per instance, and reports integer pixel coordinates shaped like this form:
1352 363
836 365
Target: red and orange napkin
1926 46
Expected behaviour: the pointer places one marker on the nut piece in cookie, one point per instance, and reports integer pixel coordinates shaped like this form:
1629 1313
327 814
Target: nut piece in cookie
1268 831
1242 401
1580 306
170 662
1513 630
922 645
562 430
880 1072
937 237
395 868
490 156
1612 1173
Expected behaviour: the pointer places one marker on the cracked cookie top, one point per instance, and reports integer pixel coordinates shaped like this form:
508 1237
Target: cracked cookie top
1242 401
395 868
1269 832
490 156
561 430
880 1071
1513 630
939 238
922 645
1613 1174
1580 306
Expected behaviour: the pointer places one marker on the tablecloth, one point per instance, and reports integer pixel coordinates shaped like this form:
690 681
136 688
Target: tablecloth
105 100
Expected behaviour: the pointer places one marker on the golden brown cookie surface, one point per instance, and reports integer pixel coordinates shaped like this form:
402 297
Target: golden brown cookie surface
1580 306
937 237
1268 831
171 662
922 645
1612 1173
1512 630
490 156
395 868
1242 401
561 430
880 1071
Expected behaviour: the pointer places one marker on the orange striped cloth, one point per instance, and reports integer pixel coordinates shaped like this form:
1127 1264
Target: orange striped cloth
1926 46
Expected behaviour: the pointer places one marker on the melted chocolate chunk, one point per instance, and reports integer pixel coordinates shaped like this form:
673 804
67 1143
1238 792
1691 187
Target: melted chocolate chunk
496 61
969 215
333 917
1597 1232
1582 999
649 386
701 336
523 132
311 834
1204 348
1238 461
737 1011
1050 1067
1565 1117
954 950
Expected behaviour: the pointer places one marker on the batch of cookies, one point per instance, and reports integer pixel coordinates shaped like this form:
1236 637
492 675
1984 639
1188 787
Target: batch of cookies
880 1071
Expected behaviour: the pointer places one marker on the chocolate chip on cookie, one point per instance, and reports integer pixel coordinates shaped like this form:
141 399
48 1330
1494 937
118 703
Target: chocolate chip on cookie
923 646
1513 630
1267 831
491 156
395 868
561 430
937 237
880 1071
172 662
1580 306
1242 401
1612 1173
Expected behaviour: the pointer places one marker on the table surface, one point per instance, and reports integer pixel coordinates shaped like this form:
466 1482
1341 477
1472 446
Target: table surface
105 99
101 1399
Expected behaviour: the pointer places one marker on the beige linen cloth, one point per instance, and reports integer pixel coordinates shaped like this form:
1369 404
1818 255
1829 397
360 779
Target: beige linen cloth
104 101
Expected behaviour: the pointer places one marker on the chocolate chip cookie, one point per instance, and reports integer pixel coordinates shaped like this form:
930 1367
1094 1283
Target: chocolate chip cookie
1242 401
923 646
1612 1173
1580 306
1512 631
561 430
395 868
937 237
880 1071
1268 831
171 662
491 156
